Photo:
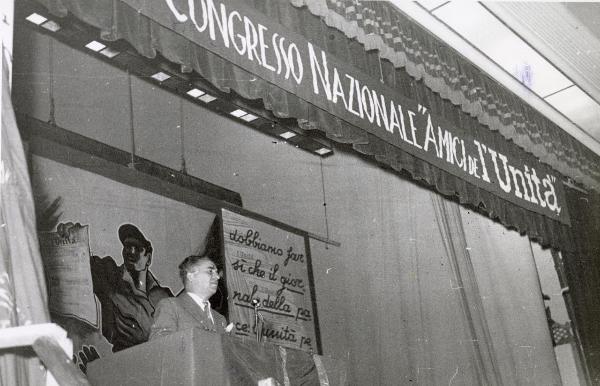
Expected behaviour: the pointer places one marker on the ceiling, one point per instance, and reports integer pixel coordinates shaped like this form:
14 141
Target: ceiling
550 48
568 35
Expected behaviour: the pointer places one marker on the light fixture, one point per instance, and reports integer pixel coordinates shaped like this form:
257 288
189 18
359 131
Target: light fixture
323 151
95 46
110 52
168 77
51 26
195 93
207 98
160 76
249 117
243 115
287 135
238 113
36 18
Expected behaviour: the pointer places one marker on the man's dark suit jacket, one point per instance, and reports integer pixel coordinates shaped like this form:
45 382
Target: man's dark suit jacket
182 313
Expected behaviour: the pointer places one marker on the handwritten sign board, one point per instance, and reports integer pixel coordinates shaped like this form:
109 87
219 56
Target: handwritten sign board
67 267
270 266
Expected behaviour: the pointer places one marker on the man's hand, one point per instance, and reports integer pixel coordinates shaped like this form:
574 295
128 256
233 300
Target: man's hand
66 230
85 356
47 213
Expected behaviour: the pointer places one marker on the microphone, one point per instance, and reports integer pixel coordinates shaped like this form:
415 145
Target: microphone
257 317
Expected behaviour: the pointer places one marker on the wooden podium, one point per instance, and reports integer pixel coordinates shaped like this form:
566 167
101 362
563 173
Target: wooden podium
198 357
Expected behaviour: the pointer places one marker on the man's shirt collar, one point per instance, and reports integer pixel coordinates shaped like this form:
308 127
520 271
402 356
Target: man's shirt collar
202 303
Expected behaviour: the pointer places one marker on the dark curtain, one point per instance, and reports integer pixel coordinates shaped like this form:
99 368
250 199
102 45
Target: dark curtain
582 269
119 20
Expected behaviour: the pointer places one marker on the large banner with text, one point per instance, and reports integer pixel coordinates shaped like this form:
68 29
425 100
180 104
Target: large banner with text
248 39
269 282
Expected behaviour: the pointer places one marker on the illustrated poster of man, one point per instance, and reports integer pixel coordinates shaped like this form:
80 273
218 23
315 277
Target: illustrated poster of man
128 293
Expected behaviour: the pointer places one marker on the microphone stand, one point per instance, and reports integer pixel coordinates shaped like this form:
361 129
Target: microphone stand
257 317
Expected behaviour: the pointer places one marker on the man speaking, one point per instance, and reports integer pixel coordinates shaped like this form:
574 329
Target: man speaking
191 308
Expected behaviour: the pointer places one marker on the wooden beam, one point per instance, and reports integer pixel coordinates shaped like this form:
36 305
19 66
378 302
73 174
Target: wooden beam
85 153
58 363
75 150
26 335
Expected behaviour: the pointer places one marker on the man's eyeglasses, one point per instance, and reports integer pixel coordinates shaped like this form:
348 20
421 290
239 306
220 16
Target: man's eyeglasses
209 271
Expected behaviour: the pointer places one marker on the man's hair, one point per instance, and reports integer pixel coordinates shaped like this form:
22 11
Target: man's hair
189 262
148 247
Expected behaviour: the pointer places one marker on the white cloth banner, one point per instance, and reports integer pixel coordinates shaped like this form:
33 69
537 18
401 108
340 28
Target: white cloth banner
23 297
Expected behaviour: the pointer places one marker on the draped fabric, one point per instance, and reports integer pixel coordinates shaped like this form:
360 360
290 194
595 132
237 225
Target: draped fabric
496 275
23 298
449 221
512 301
417 294
405 44
118 20
386 298
582 271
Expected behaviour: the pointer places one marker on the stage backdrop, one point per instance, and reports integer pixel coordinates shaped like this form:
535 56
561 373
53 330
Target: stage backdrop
387 297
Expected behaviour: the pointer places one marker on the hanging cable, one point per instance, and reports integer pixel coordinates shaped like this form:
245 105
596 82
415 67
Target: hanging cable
182 136
324 201
52 118
131 121
380 66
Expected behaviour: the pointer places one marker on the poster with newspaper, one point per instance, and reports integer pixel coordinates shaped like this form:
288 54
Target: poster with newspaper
68 275
269 281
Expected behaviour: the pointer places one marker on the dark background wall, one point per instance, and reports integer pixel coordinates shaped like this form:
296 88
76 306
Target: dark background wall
582 269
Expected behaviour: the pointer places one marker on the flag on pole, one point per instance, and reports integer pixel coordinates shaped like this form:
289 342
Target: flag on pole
23 297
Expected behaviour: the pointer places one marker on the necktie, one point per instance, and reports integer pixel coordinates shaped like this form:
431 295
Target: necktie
206 305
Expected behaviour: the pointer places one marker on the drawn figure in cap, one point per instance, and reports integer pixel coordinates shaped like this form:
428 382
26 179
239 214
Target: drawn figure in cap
128 293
